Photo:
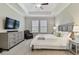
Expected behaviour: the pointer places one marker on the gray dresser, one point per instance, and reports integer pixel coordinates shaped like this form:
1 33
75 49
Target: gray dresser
10 39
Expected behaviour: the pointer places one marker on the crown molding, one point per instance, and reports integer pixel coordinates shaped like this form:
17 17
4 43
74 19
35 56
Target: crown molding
24 8
13 8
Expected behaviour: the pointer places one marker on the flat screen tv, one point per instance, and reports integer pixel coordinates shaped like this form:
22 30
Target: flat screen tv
9 23
16 24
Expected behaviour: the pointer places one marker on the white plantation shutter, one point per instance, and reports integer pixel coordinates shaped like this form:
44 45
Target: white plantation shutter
35 26
39 26
43 26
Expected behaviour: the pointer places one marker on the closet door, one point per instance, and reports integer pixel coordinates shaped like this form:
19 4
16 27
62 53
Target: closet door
35 26
43 26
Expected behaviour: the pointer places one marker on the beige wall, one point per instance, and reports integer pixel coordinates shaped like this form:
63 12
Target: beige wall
73 9
70 14
64 17
6 11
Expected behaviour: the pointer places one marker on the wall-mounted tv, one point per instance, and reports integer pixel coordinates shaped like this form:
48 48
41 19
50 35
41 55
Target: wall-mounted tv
11 23
16 24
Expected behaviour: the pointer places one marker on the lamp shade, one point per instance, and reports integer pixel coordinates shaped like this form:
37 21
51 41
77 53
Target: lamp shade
54 27
76 28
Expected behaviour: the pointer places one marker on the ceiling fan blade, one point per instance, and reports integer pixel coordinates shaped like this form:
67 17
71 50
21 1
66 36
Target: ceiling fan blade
44 4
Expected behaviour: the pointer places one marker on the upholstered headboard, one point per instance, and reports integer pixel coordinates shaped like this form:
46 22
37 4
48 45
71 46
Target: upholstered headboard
66 27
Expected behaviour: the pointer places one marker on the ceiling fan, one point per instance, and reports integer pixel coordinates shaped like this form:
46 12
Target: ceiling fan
40 5
44 3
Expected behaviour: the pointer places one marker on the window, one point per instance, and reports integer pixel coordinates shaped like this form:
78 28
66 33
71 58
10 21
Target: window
35 26
39 26
43 26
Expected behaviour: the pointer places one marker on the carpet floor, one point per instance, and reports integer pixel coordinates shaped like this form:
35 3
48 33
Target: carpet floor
24 49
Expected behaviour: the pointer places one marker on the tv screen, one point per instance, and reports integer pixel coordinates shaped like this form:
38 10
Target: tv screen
9 23
16 25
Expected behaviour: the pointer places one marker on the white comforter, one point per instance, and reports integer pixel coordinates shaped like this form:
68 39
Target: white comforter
50 40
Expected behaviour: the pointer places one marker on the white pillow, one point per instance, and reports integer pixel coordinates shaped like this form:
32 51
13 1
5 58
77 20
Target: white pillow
64 34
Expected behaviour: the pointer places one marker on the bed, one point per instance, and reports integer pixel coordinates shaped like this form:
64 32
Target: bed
50 41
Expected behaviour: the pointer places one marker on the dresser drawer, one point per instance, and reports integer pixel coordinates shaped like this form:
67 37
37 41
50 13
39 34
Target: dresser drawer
10 36
11 43
9 39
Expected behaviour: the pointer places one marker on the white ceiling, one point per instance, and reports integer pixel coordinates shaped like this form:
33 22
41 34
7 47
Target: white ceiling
30 8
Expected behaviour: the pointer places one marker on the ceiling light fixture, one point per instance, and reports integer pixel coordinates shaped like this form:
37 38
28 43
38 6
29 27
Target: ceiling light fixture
38 5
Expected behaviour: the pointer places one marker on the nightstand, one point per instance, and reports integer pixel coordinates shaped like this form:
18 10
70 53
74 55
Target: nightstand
73 46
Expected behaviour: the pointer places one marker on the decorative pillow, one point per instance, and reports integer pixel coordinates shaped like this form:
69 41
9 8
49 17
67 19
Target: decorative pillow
64 34
58 34
41 38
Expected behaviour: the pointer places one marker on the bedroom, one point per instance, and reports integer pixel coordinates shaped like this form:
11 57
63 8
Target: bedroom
51 25
62 23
